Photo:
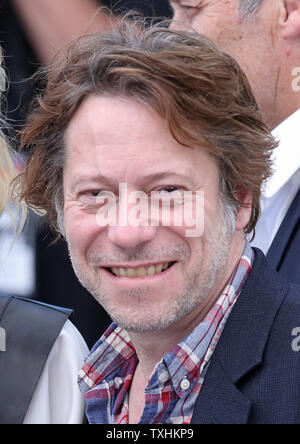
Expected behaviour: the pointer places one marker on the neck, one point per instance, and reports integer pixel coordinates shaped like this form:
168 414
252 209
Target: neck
151 347
284 111
286 99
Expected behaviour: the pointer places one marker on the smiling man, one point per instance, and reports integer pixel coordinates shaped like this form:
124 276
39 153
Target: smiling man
202 327
123 265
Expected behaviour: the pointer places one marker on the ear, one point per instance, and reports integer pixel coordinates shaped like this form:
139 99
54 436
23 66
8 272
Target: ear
244 212
290 19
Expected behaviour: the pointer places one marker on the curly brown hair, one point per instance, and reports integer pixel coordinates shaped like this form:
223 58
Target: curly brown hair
201 91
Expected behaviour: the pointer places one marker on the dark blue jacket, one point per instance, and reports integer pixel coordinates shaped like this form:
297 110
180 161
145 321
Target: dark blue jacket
254 374
283 254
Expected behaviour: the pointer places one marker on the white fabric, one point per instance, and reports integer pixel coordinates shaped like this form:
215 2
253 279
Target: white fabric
283 186
57 398
17 258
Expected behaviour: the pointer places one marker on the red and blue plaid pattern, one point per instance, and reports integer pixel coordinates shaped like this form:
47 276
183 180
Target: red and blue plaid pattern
176 382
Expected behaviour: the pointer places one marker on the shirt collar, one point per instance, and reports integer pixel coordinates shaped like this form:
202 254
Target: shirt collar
112 350
190 357
186 361
286 157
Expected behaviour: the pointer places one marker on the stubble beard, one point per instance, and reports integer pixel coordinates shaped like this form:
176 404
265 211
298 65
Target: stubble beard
137 315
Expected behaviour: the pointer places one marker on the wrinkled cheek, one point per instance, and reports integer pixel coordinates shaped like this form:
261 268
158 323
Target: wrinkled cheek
80 232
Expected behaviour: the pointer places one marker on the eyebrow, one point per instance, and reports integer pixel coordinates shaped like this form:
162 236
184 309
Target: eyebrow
100 178
93 179
163 175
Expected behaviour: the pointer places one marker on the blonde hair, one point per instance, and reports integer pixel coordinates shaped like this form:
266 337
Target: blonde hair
7 170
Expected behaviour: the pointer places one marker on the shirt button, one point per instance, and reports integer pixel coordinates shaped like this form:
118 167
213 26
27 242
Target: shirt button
118 382
164 377
185 384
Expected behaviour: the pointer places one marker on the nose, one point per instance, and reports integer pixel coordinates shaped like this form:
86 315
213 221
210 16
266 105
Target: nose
133 227
129 237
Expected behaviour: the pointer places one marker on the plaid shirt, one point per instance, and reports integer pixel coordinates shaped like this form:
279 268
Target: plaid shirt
177 379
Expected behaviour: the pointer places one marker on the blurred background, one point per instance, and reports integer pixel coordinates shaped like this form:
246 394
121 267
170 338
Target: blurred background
31 32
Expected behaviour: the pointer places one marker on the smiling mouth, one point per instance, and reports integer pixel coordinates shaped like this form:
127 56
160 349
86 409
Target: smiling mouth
140 272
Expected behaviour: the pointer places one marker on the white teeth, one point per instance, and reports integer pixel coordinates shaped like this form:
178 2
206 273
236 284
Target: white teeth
122 272
159 268
131 273
140 272
151 270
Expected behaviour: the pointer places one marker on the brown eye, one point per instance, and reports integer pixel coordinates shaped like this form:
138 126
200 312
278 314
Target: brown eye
95 193
96 197
169 189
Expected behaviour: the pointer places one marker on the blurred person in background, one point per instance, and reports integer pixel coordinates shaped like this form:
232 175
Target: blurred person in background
264 37
40 349
32 31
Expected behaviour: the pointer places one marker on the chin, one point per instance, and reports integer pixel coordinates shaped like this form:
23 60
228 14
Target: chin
142 318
